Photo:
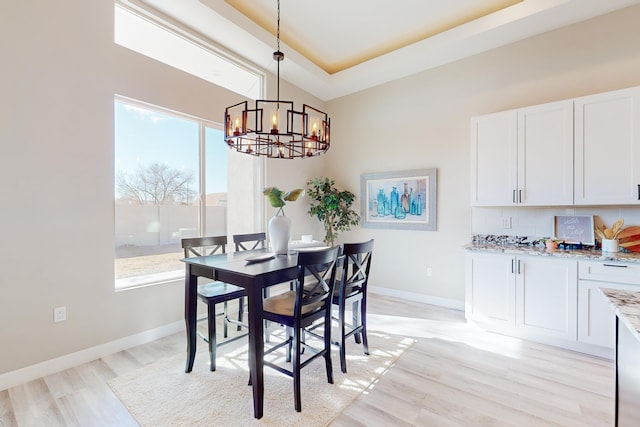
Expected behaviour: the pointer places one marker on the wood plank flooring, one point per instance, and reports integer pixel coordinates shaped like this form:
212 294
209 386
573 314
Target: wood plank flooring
454 375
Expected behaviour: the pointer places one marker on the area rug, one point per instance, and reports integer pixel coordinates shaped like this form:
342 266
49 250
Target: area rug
162 394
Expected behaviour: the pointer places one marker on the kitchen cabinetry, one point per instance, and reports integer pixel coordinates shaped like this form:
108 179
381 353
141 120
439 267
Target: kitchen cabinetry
596 320
523 157
490 290
546 297
627 376
607 148
494 159
528 296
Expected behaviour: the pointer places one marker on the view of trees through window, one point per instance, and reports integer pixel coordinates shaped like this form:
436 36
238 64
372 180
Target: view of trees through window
161 192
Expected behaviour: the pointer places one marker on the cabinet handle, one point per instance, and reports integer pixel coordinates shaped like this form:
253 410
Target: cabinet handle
514 195
520 196
614 265
518 266
638 191
512 266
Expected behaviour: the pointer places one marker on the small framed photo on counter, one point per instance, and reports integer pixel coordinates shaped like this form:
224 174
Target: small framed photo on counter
574 229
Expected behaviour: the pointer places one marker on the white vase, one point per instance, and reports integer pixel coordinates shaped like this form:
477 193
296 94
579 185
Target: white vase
280 234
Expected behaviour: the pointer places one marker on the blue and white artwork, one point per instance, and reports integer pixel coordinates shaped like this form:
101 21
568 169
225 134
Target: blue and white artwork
400 200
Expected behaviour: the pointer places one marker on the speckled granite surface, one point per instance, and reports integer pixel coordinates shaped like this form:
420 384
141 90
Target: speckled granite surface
627 307
526 246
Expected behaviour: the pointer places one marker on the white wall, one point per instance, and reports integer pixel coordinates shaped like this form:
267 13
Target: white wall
423 121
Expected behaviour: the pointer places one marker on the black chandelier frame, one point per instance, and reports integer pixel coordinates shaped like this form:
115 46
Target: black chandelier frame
259 131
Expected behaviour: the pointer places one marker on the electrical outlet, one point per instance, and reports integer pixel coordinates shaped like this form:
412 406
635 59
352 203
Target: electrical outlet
59 314
506 222
429 271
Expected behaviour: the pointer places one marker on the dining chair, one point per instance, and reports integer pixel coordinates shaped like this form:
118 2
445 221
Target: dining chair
351 288
215 292
251 241
301 308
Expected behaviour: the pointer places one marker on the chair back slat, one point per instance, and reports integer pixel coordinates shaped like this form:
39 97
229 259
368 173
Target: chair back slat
317 270
204 246
246 242
356 266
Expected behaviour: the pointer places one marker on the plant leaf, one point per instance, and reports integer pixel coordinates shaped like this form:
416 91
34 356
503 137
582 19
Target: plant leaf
275 196
292 196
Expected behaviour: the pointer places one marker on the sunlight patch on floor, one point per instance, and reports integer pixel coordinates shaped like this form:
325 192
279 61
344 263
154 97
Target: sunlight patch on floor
447 330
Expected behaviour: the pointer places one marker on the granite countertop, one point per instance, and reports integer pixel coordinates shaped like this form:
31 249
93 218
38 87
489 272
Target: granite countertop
535 250
627 307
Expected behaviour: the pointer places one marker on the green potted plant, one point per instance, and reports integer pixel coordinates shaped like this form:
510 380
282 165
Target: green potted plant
332 207
279 226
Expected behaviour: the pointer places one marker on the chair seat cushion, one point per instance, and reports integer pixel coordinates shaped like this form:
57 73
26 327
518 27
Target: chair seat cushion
283 304
220 291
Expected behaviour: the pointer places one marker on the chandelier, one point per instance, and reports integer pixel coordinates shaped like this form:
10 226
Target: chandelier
274 128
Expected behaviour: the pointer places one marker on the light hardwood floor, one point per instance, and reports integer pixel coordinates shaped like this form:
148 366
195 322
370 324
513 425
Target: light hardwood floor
453 375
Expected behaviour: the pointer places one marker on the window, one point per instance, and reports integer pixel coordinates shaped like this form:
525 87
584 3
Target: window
170 183
174 176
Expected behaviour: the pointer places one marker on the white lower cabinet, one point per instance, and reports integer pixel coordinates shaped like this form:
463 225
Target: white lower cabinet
546 297
596 318
529 296
551 300
490 290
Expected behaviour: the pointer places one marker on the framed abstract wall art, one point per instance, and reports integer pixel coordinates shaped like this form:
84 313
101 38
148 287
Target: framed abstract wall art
399 200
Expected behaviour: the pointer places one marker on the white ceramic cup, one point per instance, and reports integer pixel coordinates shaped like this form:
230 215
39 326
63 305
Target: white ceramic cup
609 245
307 238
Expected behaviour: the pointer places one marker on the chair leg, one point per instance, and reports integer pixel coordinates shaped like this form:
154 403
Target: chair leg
211 322
355 310
342 342
327 347
288 330
224 321
296 370
363 319
240 312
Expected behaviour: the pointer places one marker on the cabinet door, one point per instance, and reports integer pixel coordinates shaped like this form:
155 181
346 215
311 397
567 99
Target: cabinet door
546 297
596 318
494 159
545 154
607 148
490 289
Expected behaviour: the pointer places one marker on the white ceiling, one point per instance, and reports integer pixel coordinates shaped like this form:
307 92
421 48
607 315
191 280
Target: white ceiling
336 47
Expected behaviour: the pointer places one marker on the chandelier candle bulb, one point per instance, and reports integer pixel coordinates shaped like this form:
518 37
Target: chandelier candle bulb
274 122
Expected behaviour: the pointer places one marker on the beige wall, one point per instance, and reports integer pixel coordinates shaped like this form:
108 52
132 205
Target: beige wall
61 71
423 121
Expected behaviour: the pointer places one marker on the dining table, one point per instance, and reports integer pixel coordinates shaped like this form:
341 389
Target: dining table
252 270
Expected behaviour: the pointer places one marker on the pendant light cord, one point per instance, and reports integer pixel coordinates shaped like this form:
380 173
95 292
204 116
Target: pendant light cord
278 58
278 27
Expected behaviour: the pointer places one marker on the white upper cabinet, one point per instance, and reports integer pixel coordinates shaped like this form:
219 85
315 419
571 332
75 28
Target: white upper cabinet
523 157
545 154
607 148
494 159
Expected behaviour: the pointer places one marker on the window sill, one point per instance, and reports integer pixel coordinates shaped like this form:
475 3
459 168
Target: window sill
148 280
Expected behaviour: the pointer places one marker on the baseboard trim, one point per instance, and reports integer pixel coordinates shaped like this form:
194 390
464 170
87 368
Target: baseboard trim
39 370
412 296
